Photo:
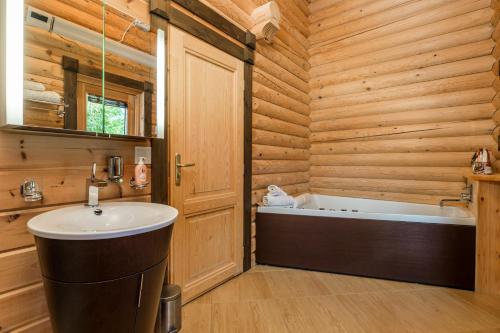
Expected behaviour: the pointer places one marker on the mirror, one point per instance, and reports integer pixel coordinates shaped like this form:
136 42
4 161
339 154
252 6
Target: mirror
88 66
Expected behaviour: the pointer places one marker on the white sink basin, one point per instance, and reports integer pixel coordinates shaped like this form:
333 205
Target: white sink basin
118 219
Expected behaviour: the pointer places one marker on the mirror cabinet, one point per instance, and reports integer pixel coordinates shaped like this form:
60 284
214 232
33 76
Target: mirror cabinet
80 67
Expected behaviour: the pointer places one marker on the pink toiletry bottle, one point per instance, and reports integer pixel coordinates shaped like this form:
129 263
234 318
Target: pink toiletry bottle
141 172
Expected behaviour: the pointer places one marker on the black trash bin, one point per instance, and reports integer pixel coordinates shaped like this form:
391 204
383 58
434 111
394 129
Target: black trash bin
169 317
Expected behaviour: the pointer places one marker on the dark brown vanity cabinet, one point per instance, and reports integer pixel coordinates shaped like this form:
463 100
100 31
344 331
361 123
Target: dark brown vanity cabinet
108 285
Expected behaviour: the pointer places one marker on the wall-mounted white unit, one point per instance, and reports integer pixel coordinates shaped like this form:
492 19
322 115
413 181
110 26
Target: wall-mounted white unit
11 62
2 62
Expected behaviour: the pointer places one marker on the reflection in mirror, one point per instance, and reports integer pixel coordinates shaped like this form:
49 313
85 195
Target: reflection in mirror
107 115
63 69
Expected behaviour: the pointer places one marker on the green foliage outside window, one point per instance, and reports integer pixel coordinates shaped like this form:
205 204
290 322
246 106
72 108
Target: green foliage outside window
112 121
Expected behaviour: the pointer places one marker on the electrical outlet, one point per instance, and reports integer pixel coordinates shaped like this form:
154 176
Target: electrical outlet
143 152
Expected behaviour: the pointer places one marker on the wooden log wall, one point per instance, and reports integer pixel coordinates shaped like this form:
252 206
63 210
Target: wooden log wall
136 8
280 98
402 93
59 164
368 98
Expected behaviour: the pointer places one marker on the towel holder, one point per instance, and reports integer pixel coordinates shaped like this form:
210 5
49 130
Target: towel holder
60 106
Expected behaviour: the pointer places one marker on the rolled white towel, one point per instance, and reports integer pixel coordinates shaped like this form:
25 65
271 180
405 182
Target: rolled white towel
275 191
32 85
42 96
301 200
278 201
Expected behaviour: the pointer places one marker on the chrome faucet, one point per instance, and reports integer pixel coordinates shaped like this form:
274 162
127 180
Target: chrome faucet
92 187
464 196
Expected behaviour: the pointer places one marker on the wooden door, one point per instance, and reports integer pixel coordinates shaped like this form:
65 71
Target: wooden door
206 128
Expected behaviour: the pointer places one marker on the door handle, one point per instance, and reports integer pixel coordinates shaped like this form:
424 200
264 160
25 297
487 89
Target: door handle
185 165
178 167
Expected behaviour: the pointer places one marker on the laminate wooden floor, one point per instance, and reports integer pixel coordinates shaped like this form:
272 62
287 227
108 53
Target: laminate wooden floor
275 300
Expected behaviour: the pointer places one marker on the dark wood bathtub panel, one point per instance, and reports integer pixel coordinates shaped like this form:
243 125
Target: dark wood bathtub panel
438 254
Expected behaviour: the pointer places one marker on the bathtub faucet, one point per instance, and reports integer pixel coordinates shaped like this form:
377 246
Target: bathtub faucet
464 197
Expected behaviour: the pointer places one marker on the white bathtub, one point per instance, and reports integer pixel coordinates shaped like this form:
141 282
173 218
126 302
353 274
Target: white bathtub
333 206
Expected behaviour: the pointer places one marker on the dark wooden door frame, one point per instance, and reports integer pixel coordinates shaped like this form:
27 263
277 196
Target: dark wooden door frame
166 10
163 13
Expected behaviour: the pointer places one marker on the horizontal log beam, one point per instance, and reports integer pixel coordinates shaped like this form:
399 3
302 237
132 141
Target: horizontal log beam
20 268
279 71
268 94
279 126
423 159
401 197
456 144
434 130
412 62
442 86
457 113
443 71
452 189
262 152
452 99
356 58
261 167
450 174
264 180
279 140
268 80
275 111
385 41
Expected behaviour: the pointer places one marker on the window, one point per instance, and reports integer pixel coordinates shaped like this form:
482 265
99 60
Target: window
111 120
123 108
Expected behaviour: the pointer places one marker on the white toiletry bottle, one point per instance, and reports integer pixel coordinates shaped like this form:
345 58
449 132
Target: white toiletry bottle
488 170
141 172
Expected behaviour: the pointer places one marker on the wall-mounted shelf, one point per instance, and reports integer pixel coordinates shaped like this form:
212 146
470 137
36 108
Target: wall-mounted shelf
136 186
60 106
486 178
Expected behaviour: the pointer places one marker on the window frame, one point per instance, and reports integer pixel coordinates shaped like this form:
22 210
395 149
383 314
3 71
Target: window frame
132 97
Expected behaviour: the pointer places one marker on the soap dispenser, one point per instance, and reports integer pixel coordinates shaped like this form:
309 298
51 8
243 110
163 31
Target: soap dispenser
141 172
140 179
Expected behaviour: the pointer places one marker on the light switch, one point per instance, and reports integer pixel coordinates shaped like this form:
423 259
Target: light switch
143 152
